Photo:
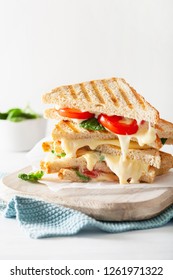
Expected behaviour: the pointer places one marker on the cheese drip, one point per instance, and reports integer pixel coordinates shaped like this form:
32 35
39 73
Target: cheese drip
91 158
71 146
126 169
144 137
121 166
124 144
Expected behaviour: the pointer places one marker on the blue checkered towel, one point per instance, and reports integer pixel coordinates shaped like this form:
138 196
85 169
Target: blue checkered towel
41 219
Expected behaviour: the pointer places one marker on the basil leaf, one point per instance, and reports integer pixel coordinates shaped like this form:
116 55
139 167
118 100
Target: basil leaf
82 176
3 116
18 115
15 115
92 124
58 155
16 119
163 140
32 177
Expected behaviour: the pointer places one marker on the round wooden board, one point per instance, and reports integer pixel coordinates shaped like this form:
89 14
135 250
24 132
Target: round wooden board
103 201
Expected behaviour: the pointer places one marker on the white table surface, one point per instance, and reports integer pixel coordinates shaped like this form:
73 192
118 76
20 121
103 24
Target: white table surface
142 244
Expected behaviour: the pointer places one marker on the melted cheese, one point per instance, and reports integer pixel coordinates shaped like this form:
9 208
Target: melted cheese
123 169
144 137
70 147
126 169
124 144
91 158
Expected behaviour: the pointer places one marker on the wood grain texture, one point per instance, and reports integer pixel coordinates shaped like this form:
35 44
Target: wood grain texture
105 201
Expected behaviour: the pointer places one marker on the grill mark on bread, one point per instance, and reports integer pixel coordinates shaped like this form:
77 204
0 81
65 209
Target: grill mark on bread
66 128
125 98
84 91
123 94
106 87
97 92
138 98
72 91
70 125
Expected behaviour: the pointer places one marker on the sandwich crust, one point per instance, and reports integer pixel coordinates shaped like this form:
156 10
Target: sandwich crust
166 163
165 130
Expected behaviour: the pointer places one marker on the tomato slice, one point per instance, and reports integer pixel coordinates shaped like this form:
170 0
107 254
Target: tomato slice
115 124
74 113
91 174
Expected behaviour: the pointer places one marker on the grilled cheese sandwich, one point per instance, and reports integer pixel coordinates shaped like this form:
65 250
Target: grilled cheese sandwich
104 119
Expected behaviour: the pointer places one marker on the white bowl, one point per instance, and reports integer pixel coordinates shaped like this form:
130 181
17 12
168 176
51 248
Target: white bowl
21 136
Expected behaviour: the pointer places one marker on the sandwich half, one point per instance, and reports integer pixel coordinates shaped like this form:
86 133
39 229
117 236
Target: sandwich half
105 131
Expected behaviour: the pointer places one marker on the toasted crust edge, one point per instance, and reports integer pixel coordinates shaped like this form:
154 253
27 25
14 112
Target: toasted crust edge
72 96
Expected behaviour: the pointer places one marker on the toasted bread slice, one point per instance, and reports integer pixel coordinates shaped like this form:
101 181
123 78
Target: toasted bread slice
71 176
165 130
150 157
72 131
103 172
148 177
166 163
112 96
55 165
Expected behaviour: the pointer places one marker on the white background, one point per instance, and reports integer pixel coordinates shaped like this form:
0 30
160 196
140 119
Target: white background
46 43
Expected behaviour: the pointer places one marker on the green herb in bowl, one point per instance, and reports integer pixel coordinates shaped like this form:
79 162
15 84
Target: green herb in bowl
21 129
18 115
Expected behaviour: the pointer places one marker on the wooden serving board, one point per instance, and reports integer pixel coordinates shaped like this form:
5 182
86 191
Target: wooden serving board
103 201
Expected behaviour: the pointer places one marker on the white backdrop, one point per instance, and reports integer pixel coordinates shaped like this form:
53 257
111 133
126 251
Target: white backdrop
46 43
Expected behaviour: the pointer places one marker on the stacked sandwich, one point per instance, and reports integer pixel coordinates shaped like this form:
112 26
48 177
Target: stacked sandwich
105 131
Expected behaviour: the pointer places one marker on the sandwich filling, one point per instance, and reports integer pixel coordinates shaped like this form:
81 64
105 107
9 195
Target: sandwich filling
144 137
125 170
93 165
125 130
